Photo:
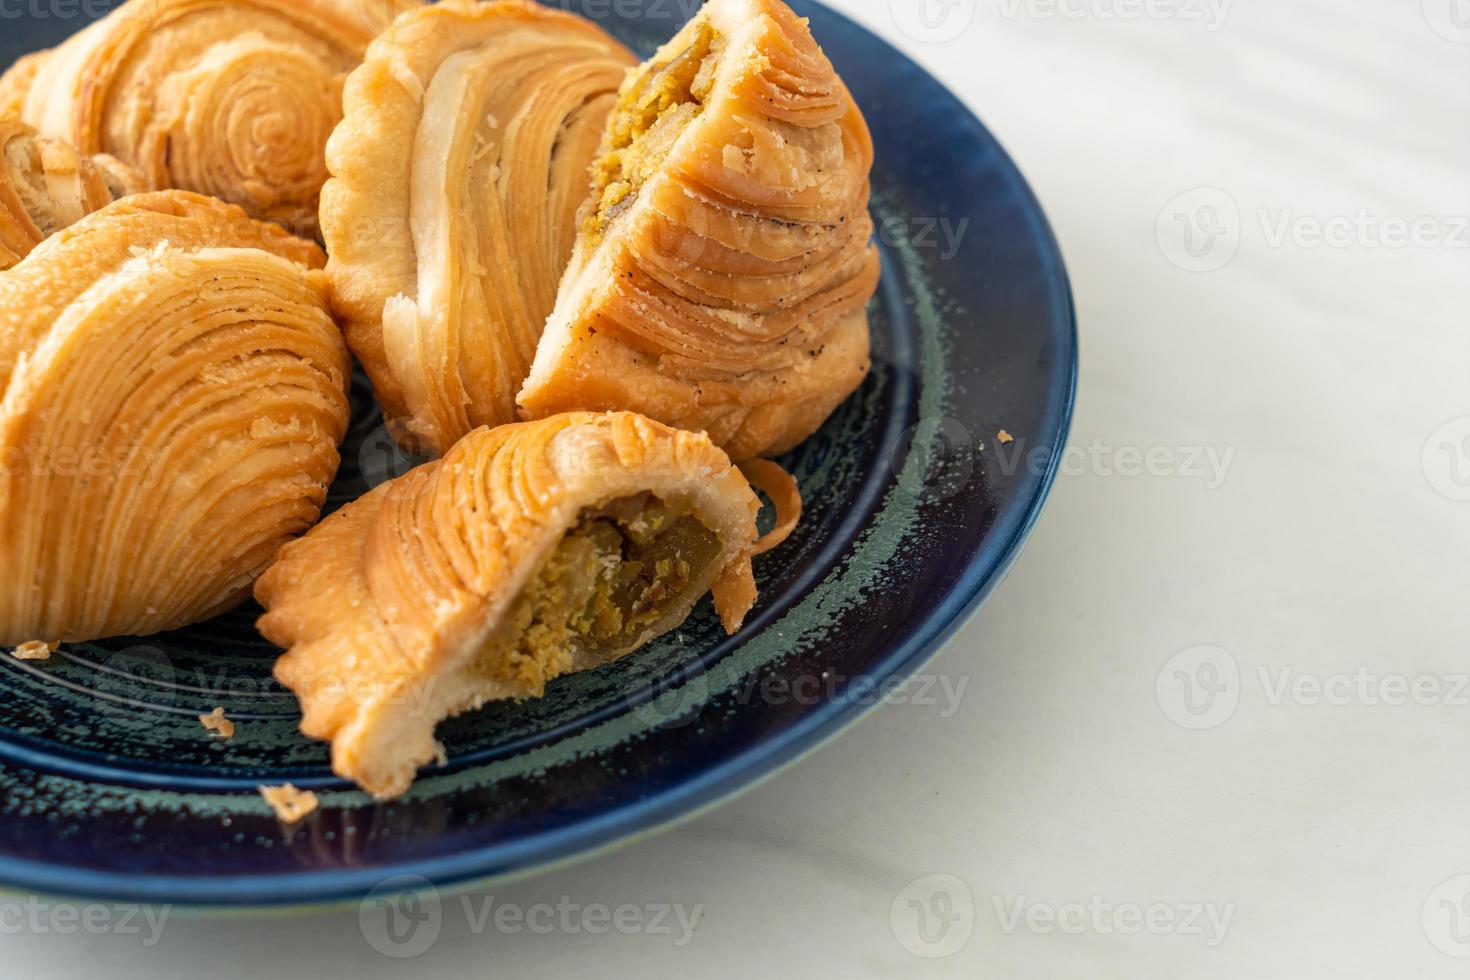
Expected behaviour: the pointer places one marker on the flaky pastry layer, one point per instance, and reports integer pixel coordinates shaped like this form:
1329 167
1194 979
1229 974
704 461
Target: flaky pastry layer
457 170
172 392
230 98
723 266
46 185
527 552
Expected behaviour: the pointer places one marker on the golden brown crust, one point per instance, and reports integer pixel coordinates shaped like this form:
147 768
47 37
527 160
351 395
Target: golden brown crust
230 98
16 82
172 392
723 269
458 169
46 185
772 480
385 605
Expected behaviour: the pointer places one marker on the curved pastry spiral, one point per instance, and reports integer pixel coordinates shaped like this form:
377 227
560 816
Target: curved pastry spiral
527 552
458 170
230 98
723 269
46 185
172 391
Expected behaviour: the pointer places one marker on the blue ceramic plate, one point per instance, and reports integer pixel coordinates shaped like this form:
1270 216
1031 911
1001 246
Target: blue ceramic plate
110 788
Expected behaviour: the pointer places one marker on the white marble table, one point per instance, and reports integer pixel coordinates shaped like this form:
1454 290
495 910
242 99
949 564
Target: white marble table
1216 722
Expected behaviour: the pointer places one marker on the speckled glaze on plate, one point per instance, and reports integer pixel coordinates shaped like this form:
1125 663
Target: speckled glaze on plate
110 788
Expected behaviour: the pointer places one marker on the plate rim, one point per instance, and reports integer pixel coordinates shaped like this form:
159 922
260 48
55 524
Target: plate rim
671 806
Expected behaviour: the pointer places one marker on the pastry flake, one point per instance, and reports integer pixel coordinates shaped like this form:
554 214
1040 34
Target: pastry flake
231 99
290 805
723 266
217 723
457 170
34 650
529 551
46 185
140 349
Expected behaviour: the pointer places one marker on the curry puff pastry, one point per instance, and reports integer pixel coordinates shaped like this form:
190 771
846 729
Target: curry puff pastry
46 185
231 98
723 268
172 391
529 551
458 171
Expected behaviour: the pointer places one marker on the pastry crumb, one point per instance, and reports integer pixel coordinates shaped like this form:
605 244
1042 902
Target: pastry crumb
1004 437
216 722
34 650
290 804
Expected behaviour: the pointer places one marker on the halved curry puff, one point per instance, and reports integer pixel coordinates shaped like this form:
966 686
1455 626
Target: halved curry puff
529 551
723 267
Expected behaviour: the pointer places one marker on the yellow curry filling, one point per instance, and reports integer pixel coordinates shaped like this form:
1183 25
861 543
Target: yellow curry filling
613 575
650 115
